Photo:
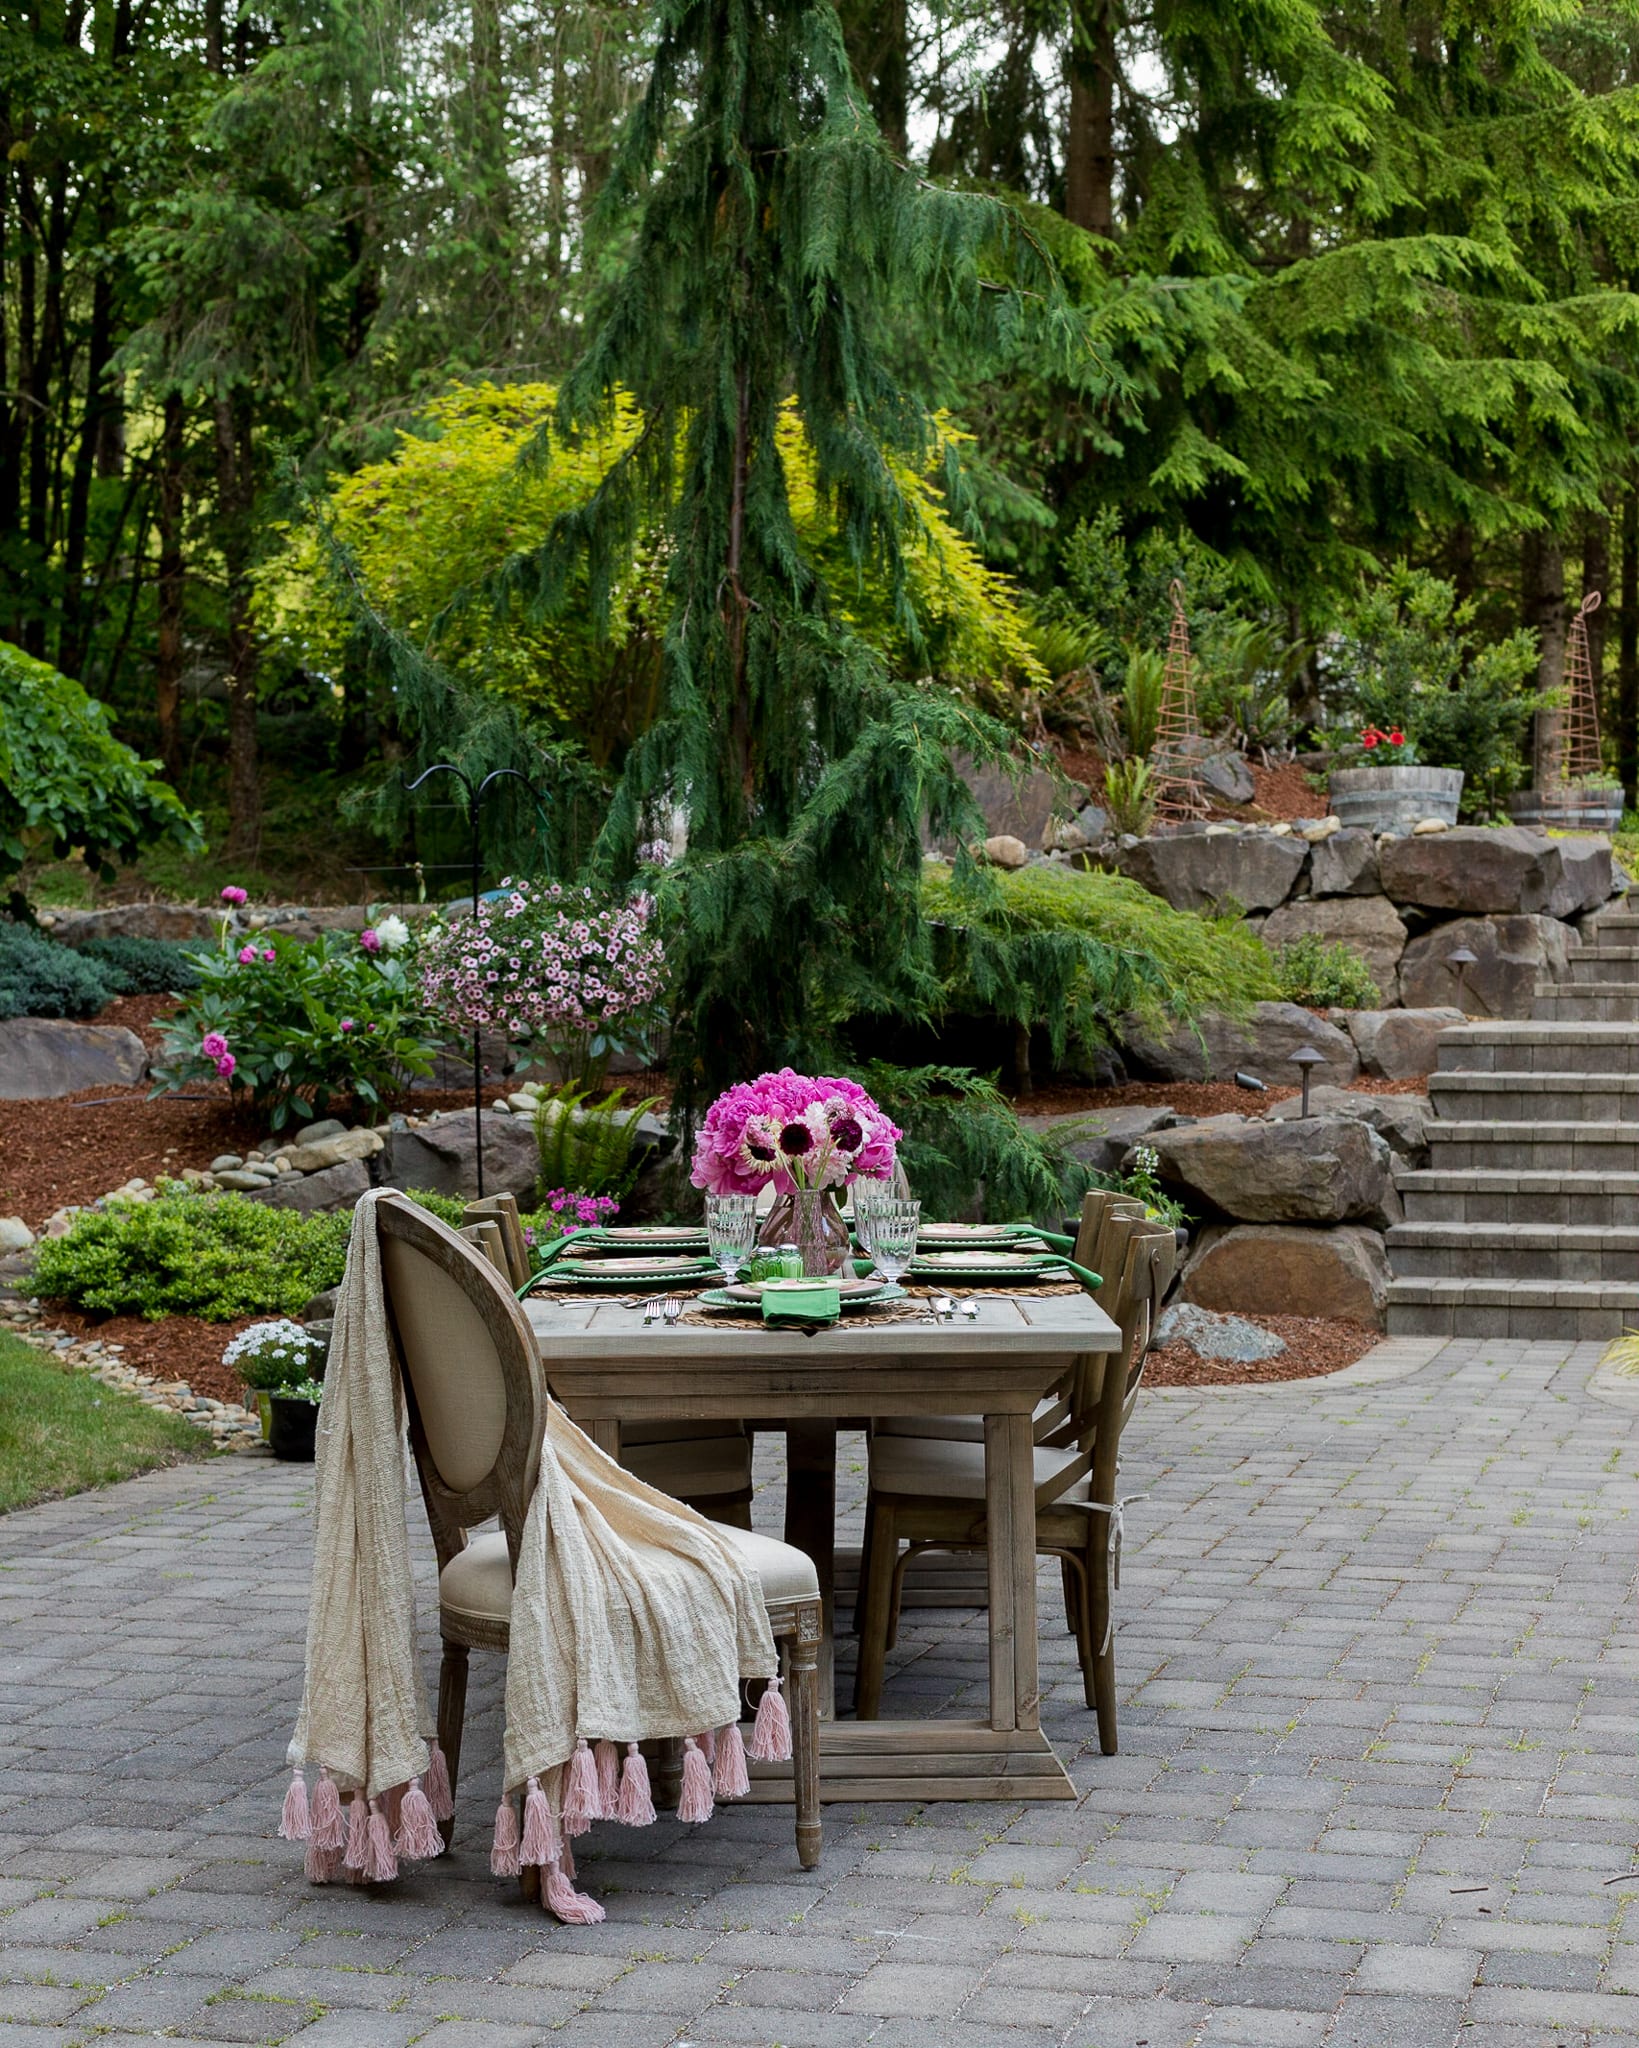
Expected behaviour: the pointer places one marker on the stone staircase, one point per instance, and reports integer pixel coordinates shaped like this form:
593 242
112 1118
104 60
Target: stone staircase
1526 1221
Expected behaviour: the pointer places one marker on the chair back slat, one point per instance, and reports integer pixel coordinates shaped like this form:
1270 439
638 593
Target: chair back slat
503 1209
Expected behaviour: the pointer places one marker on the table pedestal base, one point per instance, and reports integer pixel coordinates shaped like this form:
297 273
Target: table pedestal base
920 1760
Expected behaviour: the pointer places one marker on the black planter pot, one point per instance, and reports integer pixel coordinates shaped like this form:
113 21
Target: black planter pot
294 1429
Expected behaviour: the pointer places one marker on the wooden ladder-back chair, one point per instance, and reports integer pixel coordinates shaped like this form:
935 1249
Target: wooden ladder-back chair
930 1492
706 1465
476 1394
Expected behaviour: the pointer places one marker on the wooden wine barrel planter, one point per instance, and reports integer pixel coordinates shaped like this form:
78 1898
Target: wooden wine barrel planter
1394 799
1592 807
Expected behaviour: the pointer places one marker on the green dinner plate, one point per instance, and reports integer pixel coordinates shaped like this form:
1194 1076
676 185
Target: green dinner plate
973 1266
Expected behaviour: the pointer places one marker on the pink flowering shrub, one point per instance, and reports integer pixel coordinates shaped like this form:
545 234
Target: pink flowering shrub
795 1130
570 970
564 1212
298 1026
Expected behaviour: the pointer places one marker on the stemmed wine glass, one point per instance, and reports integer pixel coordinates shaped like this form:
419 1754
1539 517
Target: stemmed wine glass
731 1231
888 1232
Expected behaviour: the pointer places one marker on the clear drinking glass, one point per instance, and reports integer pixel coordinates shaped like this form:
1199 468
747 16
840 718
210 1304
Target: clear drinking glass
731 1230
888 1232
868 1197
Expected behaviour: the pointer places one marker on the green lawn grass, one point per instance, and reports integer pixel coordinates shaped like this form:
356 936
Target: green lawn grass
61 1431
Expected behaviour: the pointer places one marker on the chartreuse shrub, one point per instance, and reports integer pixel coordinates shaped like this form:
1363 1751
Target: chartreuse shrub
40 979
1324 975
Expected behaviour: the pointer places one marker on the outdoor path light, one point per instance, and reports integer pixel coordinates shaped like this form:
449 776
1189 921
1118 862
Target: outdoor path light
1460 962
1306 1059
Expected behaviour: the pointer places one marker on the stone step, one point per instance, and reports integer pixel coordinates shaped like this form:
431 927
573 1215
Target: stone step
1604 963
1513 1251
1619 919
1600 1201
1526 1310
1534 1098
1535 1147
1609 1002
1527 1046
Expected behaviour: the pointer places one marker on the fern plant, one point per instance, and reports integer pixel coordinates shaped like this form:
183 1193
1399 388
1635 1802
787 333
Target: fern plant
1129 796
586 1145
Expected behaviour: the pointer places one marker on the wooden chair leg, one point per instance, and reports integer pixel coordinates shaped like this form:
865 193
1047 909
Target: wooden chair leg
1067 1573
864 1563
1102 1694
873 1634
452 1714
803 1668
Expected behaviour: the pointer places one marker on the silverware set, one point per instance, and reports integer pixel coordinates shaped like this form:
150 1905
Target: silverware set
662 1309
944 1310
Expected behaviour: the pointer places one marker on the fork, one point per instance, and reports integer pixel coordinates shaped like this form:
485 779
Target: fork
652 1311
671 1308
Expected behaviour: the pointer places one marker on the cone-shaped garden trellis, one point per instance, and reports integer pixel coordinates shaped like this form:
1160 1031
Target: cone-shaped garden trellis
1177 729
1580 758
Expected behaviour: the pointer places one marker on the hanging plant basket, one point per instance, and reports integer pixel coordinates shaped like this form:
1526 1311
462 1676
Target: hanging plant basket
1394 799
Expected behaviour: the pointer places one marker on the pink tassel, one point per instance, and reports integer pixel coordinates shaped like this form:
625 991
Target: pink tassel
358 1832
380 1864
326 1828
435 1782
695 1802
503 1851
636 1807
729 1777
608 1762
566 1858
293 1819
707 1740
418 1836
321 1865
581 1802
574 1908
540 1838
771 1731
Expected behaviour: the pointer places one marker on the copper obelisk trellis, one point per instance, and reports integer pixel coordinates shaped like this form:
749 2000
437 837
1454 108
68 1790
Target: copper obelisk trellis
1177 730
1579 752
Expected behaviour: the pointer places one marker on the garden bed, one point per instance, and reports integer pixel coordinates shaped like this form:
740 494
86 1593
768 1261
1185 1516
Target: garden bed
1189 1098
172 1348
1314 1345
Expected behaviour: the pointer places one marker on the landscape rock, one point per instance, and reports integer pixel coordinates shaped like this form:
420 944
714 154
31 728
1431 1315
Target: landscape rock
332 1187
1103 1138
316 1154
1276 1269
442 1156
1227 777
316 1133
1344 865
1002 850
1401 1120
1193 871
1369 925
1399 1045
43 1057
1321 830
1220 1048
227 1162
240 1180
15 1235
1505 869
175 921
1229 1338
1510 954
1014 806
1325 1169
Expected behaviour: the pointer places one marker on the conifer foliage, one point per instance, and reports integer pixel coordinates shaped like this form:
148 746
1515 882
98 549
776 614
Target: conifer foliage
775 237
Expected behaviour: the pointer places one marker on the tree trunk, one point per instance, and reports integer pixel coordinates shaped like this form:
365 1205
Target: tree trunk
170 588
235 491
74 634
1627 651
1542 609
1596 576
1089 152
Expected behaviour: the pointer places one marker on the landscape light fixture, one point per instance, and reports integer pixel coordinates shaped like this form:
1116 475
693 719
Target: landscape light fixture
1460 962
1306 1059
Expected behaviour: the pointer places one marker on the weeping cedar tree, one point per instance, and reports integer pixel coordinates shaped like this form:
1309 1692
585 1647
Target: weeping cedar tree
775 239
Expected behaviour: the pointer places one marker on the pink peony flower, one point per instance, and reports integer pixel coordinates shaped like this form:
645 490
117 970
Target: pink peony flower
234 895
269 955
226 1064
248 956
793 1130
370 940
347 1024
213 1045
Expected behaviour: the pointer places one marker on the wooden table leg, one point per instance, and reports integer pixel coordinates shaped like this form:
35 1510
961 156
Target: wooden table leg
811 1525
606 1435
1010 1522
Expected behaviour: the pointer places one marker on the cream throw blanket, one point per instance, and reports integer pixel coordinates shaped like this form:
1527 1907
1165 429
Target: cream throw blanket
631 1617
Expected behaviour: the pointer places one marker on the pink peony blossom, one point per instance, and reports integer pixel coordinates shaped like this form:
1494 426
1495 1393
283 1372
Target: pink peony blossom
269 955
226 1064
370 940
793 1130
234 895
348 1024
248 956
213 1045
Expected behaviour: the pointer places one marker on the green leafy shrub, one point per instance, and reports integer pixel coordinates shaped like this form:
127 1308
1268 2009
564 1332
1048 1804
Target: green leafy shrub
41 979
1072 952
66 783
1129 796
214 1256
299 1025
1324 975
964 1145
589 1145
143 967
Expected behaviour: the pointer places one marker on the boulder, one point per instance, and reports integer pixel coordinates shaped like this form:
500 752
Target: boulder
1509 870
318 1153
1002 850
1279 1270
1216 1048
177 921
1510 954
1344 865
43 1056
1400 1120
1103 1138
1227 777
1369 925
1324 1169
15 1235
1228 1338
1198 871
442 1157
332 1187
1399 1045
1014 806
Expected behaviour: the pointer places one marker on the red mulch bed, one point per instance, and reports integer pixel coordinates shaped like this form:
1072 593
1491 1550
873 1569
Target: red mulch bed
1189 1098
77 1147
174 1348
1314 1344
1284 792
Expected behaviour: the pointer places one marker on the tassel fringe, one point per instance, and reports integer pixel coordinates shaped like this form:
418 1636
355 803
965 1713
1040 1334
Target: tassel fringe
358 1829
326 1828
503 1851
694 1804
293 1820
636 1806
418 1836
729 1776
321 1865
574 1908
771 1731
581 1803
608 1763
540 1836
436 1783
380 1864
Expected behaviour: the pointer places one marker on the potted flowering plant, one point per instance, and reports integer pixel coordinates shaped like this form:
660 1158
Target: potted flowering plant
807 1136
293 1427
1391 791
269 1358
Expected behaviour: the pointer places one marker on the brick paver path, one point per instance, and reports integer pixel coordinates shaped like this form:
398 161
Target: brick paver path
1377 1774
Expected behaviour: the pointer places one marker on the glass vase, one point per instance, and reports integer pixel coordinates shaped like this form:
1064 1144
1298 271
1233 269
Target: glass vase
811 1219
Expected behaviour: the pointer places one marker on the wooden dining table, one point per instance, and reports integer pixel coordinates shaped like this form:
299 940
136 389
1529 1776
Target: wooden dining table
606 1367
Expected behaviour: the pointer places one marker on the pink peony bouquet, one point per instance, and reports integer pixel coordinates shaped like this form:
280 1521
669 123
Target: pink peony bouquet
796 1130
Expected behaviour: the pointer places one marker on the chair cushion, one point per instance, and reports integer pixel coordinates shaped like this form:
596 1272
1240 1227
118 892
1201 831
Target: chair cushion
692 1468
934 1468
477 1585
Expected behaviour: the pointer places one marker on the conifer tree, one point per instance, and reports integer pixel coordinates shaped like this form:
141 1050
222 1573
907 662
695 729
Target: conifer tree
775 238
